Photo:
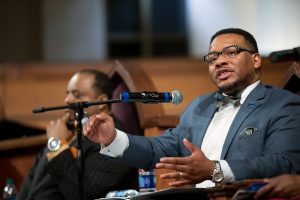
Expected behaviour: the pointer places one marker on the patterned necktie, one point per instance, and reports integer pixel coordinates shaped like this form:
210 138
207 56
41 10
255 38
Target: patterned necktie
222 100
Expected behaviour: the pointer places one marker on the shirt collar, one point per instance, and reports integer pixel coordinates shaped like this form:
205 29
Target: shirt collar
247 91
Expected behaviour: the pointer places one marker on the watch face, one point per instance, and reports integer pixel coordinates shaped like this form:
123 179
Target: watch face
218 177
53 144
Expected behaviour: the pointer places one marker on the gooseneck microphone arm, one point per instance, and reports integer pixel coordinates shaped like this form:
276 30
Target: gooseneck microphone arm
83 104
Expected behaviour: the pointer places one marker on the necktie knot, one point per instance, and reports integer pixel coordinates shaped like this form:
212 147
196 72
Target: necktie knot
223 100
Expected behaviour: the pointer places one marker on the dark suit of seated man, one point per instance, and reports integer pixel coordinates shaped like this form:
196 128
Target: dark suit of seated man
54 175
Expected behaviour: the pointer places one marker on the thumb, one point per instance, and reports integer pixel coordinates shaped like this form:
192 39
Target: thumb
102 116
189 145
66 117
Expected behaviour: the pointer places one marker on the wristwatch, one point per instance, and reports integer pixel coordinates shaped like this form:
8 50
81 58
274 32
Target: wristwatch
54 144
217 175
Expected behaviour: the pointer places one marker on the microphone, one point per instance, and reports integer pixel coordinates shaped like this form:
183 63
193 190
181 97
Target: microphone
285 55
174 97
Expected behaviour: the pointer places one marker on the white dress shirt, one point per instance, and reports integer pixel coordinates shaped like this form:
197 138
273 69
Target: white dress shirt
212 143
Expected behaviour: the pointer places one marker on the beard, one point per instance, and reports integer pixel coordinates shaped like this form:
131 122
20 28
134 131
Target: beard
234 88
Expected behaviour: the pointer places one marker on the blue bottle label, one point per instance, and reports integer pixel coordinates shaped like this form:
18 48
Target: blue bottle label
147 182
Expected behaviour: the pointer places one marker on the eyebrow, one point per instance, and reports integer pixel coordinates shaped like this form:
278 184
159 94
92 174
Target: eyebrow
73 91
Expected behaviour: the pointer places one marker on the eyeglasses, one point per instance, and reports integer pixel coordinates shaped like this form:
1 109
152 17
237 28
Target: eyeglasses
227 52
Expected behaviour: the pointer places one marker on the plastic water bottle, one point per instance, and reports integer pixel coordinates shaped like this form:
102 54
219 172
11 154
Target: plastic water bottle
122 193
147 181
10 191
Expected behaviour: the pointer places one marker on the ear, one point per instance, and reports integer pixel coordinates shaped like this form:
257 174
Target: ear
102 97
256 60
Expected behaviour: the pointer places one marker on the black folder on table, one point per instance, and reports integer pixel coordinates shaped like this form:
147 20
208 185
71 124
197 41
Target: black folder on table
168 194
174 194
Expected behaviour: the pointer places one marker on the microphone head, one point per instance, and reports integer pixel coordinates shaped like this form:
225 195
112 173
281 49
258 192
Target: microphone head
285 55
176 97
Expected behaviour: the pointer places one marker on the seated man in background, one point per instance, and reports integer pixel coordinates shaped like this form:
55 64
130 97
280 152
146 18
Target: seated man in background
284 186
54 174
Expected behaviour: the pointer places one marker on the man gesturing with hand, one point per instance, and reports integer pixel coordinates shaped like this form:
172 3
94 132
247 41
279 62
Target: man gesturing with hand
244 130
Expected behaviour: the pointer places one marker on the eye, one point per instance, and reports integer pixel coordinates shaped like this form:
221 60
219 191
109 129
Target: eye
230 52
77 95
213 56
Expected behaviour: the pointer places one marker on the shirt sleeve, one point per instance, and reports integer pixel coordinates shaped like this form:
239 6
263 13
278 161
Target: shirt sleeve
227 172
121 143
117 147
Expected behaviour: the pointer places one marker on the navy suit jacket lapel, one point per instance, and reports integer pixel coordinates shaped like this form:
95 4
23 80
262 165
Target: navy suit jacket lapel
251 103
206 111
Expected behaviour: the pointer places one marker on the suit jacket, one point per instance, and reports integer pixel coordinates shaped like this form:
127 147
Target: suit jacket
58 179
263 140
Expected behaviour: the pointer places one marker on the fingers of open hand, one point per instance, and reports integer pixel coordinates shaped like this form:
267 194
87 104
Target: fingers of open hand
193 167
179 175
178 164
175 167
177 178
175 160
90 126
189 145
174 175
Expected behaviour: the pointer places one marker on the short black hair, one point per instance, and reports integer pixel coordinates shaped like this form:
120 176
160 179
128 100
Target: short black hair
248 36
102 83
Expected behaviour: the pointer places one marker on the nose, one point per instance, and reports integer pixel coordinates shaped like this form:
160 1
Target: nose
221 61
69 99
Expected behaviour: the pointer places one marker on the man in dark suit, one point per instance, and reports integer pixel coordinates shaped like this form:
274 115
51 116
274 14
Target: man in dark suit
244 130
54 174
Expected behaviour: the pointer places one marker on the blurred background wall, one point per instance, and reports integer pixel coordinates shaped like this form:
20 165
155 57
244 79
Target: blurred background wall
78 30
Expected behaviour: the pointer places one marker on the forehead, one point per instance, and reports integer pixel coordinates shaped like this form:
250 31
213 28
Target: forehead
81 82
226 40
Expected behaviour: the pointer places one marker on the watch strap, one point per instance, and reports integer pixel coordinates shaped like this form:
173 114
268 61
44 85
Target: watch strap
52 154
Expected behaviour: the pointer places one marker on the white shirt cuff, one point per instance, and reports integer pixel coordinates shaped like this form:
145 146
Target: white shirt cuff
228 174
117 147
